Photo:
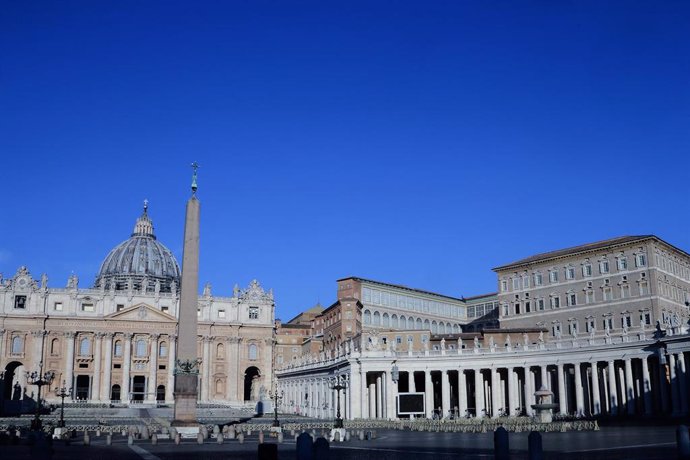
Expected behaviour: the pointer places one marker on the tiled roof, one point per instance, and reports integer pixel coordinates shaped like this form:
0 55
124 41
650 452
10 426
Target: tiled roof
576 250
400 286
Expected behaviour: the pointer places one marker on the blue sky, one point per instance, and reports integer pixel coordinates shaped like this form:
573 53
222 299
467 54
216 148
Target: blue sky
418 143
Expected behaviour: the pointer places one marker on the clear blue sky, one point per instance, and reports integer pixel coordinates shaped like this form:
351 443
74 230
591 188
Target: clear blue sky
419 143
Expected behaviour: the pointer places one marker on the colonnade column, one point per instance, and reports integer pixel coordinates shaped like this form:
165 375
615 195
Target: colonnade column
596 399
410 382
629 388
107 366
462 392
562 399
613 393
96 386
529 391
579 394
126 368
646 387
153 368
675 388
391 396
69 363
682 379
511 392
545 378
363 392
428 394
478 393
445 394
379 396
354 394
663 388
495 392
372 400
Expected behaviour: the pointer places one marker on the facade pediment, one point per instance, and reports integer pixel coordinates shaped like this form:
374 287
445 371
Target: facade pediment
140 312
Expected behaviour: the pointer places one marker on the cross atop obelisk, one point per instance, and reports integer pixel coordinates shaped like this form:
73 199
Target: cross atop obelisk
187 362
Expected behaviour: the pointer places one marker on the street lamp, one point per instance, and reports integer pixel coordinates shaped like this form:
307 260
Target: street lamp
277 399
39 379
338 384
63 393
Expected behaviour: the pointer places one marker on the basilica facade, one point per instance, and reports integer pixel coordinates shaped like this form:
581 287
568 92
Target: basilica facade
114 342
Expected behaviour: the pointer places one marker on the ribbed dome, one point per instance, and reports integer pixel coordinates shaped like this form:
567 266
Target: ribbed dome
140 259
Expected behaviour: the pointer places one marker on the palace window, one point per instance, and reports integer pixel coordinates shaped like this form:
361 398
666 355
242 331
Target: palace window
572 299
590 325
220 351
589 296
587 270
87 307
84 347
252 352
622 263
607 293
140 349
572 328
644 288
570 273
525 282
555 302
221 313
626 321
516 284
117 350
604 266
504 286
625 291
253 312
17 345
57 306
641 260
538 279
163 350
645 318
553 276
55 347
608 322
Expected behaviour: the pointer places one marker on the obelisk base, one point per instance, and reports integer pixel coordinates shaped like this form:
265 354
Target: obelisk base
185 401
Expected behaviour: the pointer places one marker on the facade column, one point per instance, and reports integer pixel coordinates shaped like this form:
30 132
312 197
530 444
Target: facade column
372 400
495 392
683 383
675 395
530 388
613 393
410 382
37 341
462 393
354 394
663 388
579 394
379 396
364 402
562 398
97 359
231 372
445 394
2 348
153 368
545 381
170 387
596 399
69 362
478 393
126 366
629 387
206 368
646 387
511 393
107 366
428 394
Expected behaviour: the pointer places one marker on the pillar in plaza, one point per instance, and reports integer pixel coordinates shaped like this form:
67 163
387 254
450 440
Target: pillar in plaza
354 394
428 394
171 368
108 366
97 358
596 399
479 393
675 395
529 390
187 363
663 387
153 368
495 392
206 368
512 396
364 393
562 399
410 380
372 400
391 396
629 387
126 368
69 360
545 381
379 397
462 392
682 381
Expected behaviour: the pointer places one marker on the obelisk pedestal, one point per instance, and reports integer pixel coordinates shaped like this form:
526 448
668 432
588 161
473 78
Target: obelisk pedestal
187 362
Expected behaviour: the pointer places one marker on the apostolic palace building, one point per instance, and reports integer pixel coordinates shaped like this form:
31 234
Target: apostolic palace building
604 326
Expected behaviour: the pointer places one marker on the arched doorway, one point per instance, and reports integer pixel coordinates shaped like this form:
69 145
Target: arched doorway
160 393
251 383
115 393
14 382
82 390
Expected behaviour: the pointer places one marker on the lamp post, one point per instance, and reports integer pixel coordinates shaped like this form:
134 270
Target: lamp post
63 393
338 384
39 379
277 398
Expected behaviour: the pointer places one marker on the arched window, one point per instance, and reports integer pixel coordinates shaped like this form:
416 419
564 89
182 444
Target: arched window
367 317
84 347
441 328
427 326
410 323
117 350
220 351
394 321
456 329
434 327
377 318
385 320
163 349
141 348
55 347
418 323
219 386
252 352
17 345
403 322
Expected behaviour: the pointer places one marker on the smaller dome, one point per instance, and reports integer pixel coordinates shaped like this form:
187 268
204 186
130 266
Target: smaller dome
140 260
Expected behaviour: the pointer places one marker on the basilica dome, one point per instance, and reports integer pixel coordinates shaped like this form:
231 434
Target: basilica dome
140 263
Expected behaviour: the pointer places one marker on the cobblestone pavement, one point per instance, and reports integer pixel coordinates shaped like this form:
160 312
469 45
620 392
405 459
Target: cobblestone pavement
610 443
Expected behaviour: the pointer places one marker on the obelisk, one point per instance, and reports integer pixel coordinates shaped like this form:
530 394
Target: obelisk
187 362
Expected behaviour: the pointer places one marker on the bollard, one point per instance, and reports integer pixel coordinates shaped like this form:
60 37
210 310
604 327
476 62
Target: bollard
219 438
177 438
268 452
144 432
305 450
336 436
321 449
280 437
683 442
240 438
200 438
347 436
261 437
87 439
130 440
109 439
154 439
173 432
536 451
98 433
361 435
501 444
